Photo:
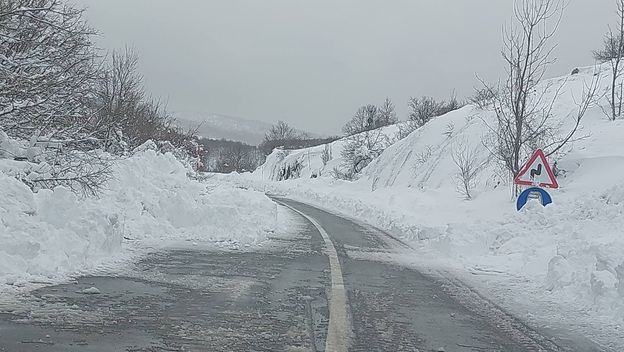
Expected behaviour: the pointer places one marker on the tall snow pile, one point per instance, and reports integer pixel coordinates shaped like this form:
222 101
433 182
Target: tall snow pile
569 255
151 200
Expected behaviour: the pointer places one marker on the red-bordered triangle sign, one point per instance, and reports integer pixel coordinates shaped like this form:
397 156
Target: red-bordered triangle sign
537 172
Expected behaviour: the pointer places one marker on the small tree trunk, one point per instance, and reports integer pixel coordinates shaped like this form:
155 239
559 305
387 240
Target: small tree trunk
613 84
620 98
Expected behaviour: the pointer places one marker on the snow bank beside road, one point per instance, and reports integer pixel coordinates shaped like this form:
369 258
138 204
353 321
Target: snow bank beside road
158 201
151 201
559 266
564 262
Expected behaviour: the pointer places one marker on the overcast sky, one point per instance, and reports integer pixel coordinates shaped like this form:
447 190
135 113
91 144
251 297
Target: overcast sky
312 63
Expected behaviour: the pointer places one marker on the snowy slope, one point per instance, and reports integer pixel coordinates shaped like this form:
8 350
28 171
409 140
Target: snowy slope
311 159
424 159
564 263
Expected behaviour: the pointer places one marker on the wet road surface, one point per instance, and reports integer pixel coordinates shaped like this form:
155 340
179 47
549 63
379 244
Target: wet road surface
269 300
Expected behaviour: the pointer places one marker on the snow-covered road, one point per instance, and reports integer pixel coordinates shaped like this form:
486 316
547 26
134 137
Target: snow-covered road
270 299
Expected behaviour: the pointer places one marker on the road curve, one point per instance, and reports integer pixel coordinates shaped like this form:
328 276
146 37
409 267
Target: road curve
394 308
309 292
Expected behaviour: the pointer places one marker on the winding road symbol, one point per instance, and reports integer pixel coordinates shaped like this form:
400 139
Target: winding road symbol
536 172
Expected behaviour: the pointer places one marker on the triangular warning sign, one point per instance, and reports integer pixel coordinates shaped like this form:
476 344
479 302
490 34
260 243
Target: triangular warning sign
537 172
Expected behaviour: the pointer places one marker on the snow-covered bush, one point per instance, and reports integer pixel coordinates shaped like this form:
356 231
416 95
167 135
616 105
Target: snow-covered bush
469 165
405 129
362 148
48 67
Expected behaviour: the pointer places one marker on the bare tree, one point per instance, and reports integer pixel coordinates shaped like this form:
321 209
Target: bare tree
484 97
613 51
226 156
523 107
119 98
56 93
450 130
451 105
279 134
83 172
469 166
522 112
362 148
423 110
365 119
233 158
405 129
47 68
369 117
326 155
583 103
126 117
387 114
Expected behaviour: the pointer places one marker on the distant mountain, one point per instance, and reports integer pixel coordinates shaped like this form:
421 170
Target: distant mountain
217 126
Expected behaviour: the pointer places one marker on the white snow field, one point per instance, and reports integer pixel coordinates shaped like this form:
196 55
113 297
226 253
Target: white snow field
560 264
49 235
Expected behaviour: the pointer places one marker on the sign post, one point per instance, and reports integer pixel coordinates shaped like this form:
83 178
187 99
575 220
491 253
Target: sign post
538 174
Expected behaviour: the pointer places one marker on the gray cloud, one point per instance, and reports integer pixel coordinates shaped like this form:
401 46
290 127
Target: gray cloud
312 63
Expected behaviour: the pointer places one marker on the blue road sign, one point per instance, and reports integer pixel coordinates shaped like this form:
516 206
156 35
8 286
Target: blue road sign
541 194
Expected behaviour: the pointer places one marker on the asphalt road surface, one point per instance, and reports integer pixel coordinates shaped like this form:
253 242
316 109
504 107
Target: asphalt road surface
307 293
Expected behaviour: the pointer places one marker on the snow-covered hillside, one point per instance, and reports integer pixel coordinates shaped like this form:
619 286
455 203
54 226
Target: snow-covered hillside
311 159
151 202
560 263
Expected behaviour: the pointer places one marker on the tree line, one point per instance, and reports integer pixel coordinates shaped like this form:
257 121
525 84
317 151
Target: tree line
225 156
69 99
366 140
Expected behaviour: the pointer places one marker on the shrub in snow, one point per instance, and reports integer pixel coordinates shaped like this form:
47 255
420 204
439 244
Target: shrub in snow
290 171
370 117
339 174
450 129
423 110
469 165
327 154
613 53
360 149
424 156
405 129
484 98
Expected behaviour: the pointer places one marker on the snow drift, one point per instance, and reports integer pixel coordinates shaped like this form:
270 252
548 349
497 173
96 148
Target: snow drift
151 201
